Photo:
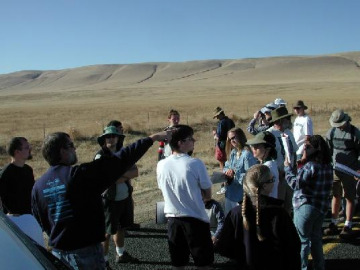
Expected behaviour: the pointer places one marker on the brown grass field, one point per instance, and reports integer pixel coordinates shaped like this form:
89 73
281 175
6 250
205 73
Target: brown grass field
81 101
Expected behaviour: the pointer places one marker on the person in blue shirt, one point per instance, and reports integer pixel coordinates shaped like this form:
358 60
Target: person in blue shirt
239 161
220 134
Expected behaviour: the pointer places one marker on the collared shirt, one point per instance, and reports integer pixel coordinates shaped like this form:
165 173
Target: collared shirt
255 130
239 164
311 185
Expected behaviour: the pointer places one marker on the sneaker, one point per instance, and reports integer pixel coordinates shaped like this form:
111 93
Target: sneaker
125 258
347 233
222 190
332 230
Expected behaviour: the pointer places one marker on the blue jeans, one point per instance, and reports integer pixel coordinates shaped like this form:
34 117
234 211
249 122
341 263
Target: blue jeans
91 257
308 221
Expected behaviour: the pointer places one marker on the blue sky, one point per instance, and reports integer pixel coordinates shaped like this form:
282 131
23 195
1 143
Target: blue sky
49 34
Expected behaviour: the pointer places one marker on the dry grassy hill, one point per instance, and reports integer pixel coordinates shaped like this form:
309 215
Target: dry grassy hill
82 100
329 68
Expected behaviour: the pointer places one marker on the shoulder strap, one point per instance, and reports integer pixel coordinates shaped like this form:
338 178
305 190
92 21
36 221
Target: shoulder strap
352 132
331 138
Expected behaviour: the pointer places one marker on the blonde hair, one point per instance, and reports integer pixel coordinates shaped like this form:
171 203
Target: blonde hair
255 178
239 133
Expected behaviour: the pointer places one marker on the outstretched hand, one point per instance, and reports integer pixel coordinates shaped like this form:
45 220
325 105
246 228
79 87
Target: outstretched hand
161 136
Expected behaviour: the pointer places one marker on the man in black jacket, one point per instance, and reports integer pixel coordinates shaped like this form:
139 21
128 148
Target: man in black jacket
67 201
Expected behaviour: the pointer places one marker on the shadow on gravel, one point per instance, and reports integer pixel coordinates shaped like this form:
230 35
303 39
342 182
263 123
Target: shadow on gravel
336 264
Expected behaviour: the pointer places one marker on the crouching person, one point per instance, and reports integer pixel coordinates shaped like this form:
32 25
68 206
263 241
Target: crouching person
259 234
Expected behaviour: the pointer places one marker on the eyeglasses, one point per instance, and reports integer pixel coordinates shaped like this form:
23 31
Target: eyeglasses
69 145
232 138
191 139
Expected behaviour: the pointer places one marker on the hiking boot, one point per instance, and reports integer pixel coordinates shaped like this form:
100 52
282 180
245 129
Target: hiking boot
332 230
125 258
347 233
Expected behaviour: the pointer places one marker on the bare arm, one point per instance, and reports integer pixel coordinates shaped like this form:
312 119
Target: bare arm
132 173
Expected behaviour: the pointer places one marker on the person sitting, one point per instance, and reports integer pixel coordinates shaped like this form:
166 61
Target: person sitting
216 216
260 234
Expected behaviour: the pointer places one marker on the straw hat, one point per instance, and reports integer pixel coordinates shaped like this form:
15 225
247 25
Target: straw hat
217 111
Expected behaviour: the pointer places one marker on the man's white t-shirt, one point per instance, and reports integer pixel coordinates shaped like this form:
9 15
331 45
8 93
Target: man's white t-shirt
181 178
303 127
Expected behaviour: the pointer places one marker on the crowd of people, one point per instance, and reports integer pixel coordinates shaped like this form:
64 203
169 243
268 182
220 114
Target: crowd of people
277 187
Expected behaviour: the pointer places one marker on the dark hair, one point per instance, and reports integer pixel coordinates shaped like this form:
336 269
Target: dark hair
114 123
181 132
15 144
52 145
271 143
320 151
173 112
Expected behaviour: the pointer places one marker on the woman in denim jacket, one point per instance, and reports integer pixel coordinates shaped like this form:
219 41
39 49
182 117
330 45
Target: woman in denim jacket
239 161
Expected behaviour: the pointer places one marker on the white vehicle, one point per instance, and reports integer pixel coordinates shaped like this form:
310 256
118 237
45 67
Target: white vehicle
18 251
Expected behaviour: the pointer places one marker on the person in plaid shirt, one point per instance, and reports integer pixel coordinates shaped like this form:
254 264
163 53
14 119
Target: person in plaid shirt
312 187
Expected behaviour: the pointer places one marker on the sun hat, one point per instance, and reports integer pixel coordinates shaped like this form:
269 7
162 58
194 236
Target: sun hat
339 118
279 113
300 104
279 101
217 111
110 130
265 137
268 108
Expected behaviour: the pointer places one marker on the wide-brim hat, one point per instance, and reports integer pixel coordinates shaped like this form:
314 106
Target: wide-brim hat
264 137
339 118
110 130
217 111
279 113
300 104
268 108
